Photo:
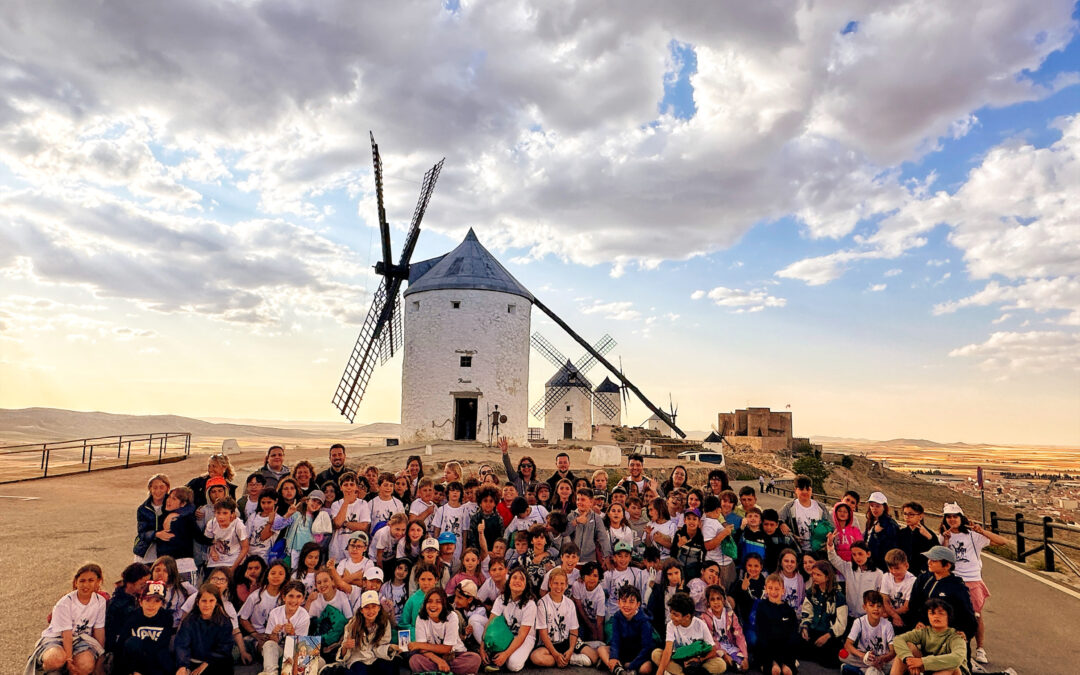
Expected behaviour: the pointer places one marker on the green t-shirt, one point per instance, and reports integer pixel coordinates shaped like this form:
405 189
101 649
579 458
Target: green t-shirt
410 611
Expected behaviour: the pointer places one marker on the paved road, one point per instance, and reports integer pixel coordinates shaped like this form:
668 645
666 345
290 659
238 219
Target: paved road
1031 627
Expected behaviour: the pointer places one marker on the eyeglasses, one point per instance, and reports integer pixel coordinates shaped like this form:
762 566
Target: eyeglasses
909 514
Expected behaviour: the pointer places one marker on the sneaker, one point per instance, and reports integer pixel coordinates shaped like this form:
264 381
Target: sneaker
619 670
580 660
848 669
980 656
491 668
977 667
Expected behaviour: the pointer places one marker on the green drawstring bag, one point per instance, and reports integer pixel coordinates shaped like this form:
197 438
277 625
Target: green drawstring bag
497 637
695 648
729 548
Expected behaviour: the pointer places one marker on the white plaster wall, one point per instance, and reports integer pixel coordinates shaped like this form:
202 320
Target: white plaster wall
615 401
580 414
436 335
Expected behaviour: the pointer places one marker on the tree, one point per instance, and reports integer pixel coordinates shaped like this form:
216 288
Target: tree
814 469
847 461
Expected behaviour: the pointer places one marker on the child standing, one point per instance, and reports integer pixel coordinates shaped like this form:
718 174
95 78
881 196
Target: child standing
621 575
350 571
824 616
794 585
289 618
385 504
557 627
776 542
591 604
256 609
870 634
394 592
230 536
436 645
75 637
265 524
453 516
777 631
470 569
384 543
895 586
689 544
569 557
847 531
689 641
660 529
859 574
350 514
750 588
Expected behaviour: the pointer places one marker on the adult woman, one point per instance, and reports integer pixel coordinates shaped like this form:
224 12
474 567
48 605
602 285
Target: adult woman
675 479
304 475
524 478
148 518
718 482
274 468
881 533
414 469
217 465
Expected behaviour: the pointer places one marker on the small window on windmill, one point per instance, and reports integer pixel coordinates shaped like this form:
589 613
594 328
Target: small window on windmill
568 408
416 305
456 304
466 362
510 309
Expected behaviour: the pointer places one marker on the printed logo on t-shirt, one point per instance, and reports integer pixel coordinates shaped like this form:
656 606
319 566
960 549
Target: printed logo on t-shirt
148 632
82 627
960 550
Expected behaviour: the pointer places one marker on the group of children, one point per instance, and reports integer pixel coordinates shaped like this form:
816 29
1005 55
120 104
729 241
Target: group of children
462 576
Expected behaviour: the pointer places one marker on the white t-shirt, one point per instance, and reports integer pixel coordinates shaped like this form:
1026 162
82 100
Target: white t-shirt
70 614
381 511
667 529
257 608
875 639
897 592
340 601
397 595
230 611
299 621
451 519
440 633
967 547
227 541
681 636
623 534
791 592
256 544
804 515
347 566
515 615
488 591
250 509
558 618
710 527
593 602
614 580
419 506
571 577
384 540
357 512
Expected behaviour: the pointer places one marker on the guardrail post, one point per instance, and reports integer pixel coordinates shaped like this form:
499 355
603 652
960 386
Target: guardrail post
1048 538
83 452
90 461
46 474
44 446
1020 547
119 446
127 460
993 522
150 444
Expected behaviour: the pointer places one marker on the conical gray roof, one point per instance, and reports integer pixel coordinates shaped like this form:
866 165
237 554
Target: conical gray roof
567 376
713 437
607 387
469 266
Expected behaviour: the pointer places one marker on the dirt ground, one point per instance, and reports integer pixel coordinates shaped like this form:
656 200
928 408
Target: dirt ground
50 526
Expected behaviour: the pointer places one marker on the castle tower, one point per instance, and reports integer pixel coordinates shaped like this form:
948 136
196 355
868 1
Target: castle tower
571 416
608 391
466 348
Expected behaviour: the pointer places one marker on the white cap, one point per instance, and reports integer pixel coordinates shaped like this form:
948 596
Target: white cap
373 573
952 509
430 542
878 498
369 598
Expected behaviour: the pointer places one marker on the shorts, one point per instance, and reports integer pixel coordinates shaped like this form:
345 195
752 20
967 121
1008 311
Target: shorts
79 645
561 647
979 594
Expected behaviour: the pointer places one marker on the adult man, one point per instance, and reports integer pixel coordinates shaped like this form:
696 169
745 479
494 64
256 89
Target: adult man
804 518
636 464
562 470
337 466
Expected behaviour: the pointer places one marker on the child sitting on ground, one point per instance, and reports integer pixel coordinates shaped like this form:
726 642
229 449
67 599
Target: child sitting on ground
75 636
631 645
937 648
869 643
690 642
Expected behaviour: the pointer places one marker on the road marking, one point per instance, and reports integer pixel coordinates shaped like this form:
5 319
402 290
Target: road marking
25 499
1036 577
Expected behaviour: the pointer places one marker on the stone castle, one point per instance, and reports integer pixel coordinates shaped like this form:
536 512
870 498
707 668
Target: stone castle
758 430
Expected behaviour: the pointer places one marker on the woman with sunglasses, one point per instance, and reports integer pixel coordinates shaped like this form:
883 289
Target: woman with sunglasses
524 478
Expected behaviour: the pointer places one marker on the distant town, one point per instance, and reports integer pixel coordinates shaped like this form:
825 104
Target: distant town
1057 496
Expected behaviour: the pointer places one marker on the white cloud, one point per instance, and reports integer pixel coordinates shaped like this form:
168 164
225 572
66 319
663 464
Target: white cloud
1060 294
896 271
937 262
741 301
697 295
875 288
616 311
1025 353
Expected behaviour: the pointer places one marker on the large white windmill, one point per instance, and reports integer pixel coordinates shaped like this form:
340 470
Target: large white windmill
465 334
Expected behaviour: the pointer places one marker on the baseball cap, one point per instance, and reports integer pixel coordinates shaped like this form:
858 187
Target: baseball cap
951 509
430 542
317 494
623 546
373 573
941 553
216 481
155 589
369 598
878 498
447 538
467 587
360 535
694 511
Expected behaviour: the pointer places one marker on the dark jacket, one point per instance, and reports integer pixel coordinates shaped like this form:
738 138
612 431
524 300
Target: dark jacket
777 629
144 645
204 640
882 542
691 554
744 600
184 528
272 477
515 478
493 527
147 523
198 486
631 640
329 474
119 608
914 544
554 479
952 590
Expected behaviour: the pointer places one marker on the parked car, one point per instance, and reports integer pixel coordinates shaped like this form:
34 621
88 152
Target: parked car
704 457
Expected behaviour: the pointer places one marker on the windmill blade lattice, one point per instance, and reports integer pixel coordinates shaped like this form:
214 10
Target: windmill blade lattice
587 360
545 404
362 360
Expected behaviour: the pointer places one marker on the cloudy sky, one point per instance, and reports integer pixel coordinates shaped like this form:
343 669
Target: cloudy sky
860 210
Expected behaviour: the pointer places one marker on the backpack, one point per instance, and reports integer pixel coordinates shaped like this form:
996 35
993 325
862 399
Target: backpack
819 533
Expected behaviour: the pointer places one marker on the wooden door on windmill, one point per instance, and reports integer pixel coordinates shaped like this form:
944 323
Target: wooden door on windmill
568 430
465 419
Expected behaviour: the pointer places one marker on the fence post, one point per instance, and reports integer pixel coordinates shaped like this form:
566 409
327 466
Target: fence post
83 452
90 461
993 522
1048 539
150 444
119 446
127 460
44 447
1020 537
46 467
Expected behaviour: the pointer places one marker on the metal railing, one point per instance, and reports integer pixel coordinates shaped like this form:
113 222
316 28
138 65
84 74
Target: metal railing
36 460
536 433
1048 545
